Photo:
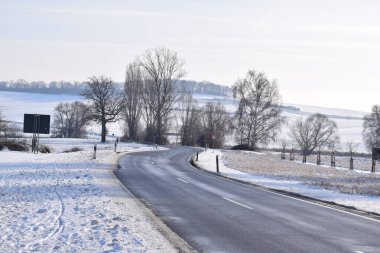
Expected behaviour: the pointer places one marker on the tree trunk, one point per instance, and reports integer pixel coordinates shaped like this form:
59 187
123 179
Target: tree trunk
104 130
158 132
132 132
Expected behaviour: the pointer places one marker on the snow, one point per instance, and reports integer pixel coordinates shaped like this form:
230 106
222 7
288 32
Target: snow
14 104
371 203
69 202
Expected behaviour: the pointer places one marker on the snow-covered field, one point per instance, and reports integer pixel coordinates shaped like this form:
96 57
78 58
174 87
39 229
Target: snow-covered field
15 104
69 202
357 188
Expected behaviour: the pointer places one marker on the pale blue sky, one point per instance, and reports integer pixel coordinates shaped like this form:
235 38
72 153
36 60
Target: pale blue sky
324 53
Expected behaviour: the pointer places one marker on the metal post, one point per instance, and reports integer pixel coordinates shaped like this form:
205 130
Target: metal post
217 163
115 146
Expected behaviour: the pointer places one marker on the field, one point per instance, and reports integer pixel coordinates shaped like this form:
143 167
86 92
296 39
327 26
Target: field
358 188
15 104
359 181
70 202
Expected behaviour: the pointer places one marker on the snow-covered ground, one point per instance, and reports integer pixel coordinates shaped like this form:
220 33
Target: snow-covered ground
295 177
69 202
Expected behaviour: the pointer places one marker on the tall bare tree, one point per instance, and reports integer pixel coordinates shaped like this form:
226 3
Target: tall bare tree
185 107
215 120
314 132
106 101
258 118
371 129
162 68
70 119
133 101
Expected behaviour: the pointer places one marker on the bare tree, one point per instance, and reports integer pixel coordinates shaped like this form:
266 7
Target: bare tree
258 118
106 102
352 146
316 131
161 70
133 103
70 119
371 129
185 107
215 121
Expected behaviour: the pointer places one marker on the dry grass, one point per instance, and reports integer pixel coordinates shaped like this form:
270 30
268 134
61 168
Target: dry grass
324 176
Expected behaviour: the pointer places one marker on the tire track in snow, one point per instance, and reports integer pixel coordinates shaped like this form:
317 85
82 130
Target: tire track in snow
60 224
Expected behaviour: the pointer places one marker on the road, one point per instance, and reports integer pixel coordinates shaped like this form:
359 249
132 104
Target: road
217 215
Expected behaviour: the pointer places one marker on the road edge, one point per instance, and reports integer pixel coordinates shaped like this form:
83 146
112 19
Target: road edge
325 203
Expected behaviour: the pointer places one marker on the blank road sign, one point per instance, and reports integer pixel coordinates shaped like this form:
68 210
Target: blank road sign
376 153
36 123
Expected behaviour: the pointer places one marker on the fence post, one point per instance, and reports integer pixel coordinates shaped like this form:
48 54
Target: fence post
333 159
351 161
319 157
217 163
291 158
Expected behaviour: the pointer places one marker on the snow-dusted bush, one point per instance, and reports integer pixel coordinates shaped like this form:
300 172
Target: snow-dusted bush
44 149
73 149
13 145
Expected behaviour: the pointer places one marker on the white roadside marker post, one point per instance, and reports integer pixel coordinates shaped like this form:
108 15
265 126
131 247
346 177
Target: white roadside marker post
217 163
94 155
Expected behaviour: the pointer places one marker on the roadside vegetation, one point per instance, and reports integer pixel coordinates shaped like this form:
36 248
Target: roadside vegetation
340 178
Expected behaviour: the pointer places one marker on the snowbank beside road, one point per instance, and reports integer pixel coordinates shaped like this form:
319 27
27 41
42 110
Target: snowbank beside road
207 161
68 202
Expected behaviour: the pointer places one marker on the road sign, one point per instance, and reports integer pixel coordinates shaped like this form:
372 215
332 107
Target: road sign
36 123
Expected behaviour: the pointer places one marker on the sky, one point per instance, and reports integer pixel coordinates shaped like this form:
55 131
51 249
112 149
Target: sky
324 53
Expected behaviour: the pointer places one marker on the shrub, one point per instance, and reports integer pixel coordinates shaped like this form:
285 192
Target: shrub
241 147
44 149
12 145
73 149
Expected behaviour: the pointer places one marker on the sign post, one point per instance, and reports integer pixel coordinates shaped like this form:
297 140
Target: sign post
36 124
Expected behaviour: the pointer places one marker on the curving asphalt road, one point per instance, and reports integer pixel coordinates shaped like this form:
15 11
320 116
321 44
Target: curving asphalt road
217 215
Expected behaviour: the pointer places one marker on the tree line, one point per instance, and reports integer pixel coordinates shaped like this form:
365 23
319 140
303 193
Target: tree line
154 102
76 88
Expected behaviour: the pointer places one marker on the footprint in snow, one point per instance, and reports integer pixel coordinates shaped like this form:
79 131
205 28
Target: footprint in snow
102 242
42 210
